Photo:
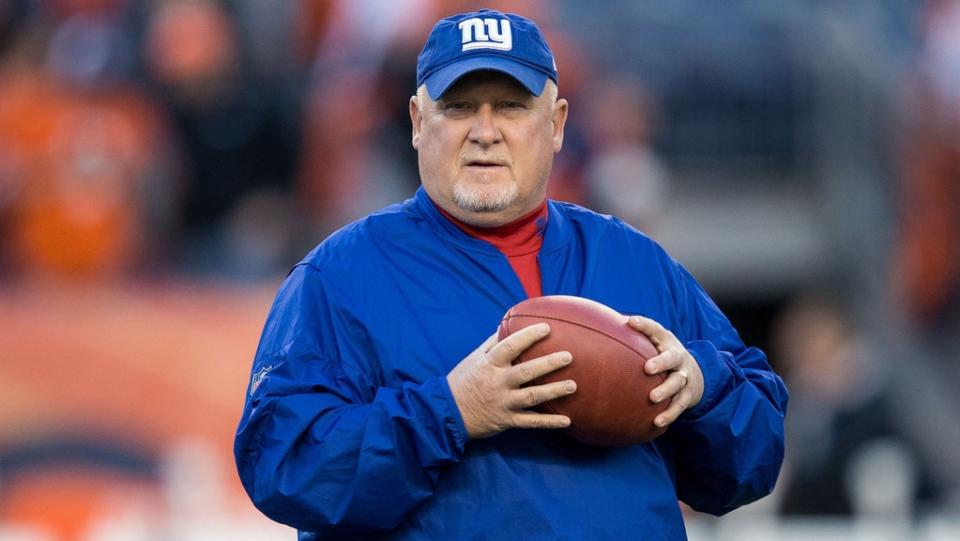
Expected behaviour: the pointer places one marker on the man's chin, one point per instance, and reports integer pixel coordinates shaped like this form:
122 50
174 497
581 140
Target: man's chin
484 199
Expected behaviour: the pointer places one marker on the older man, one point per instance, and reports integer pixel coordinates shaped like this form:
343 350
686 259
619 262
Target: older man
380 405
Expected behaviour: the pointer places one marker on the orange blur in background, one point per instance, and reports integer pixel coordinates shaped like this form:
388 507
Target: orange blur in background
116 392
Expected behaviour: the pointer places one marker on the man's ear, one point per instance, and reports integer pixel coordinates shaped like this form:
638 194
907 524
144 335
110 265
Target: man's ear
560 110
416 118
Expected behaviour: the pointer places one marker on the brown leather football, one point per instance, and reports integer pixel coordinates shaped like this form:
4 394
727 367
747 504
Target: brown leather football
612 404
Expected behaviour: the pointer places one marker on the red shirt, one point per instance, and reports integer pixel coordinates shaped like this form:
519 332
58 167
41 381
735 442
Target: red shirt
519 241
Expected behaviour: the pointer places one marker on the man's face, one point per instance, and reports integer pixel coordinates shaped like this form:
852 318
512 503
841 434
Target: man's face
486 146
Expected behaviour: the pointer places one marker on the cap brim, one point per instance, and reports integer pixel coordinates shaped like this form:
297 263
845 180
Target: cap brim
441 80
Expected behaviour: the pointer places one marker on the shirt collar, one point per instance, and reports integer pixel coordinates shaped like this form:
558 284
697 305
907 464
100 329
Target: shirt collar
522 236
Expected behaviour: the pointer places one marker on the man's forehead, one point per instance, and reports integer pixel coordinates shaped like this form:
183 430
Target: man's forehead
486 81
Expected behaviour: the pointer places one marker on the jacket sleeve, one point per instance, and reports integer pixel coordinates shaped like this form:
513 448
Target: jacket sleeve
728 449
322 446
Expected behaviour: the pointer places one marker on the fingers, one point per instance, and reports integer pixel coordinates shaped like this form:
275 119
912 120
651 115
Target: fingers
529 397
654 331
678 405
672 357
669 359
528 371
508 349
540 420
645 324
673 385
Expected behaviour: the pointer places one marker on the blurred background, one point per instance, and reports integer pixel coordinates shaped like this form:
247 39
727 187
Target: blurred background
163 163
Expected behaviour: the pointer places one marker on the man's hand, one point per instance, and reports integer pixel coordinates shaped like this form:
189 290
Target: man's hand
684 383
486 386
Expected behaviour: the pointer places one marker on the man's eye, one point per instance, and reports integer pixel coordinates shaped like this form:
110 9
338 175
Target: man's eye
512 105
456 106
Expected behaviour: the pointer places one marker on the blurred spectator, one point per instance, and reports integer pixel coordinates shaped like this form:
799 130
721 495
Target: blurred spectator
625 176
341 175
85 154
312 23
357 155
238 138
840 409
926 255
927 264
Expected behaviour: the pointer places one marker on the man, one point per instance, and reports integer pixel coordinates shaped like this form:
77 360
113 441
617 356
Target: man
381 407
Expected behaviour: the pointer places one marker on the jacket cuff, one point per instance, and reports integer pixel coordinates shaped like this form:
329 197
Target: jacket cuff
717 377
453 420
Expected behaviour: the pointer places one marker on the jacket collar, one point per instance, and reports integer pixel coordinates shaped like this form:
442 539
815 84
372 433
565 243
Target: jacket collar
555 236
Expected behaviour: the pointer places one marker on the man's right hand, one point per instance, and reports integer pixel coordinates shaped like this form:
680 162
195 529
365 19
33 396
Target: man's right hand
487 386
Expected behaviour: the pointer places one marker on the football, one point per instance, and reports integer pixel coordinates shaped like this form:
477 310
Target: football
612 405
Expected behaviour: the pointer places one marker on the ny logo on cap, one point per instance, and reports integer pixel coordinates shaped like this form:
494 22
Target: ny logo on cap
484 34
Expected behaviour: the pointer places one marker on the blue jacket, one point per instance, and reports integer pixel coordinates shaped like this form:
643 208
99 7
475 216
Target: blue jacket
350 430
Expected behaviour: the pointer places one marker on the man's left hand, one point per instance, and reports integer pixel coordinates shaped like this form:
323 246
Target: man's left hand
684 383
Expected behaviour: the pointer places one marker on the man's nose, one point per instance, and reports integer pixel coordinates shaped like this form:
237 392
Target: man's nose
484 130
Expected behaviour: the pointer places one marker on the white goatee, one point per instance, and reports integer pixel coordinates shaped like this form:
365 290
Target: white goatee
479 200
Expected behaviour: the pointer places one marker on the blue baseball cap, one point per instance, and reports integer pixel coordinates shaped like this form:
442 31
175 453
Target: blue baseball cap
485 40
